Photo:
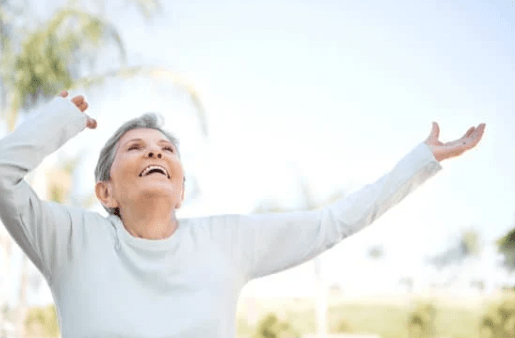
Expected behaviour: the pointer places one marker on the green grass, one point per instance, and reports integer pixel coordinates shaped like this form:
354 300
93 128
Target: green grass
387 320
457 322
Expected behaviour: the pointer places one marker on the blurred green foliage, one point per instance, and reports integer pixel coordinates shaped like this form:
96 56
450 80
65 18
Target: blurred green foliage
37 64
42 322
443 318
421 320
49 56
466 245
506 247
342 326
499 319
39 61
271 327
67 51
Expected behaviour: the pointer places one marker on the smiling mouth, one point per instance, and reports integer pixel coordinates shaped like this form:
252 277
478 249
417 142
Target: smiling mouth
152 169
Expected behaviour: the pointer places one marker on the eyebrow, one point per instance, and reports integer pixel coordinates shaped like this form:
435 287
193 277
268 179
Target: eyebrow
140 140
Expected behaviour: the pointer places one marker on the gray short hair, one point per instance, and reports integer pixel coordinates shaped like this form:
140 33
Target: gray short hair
107 154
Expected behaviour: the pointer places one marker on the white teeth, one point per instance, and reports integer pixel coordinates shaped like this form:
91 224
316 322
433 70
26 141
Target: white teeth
154 167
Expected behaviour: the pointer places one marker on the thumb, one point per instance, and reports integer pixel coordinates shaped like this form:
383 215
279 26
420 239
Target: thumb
435 132
63 93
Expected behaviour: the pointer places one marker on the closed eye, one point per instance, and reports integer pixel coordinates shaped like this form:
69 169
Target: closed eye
134 146
169 149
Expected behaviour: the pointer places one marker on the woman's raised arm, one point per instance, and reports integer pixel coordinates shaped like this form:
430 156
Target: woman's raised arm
37 226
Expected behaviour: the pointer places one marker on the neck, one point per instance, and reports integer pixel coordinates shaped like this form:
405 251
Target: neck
149 219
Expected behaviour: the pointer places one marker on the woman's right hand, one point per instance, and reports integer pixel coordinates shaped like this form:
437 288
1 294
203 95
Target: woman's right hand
81 103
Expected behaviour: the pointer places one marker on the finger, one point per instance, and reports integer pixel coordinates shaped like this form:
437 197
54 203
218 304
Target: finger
469 132
83 106
63 93
91 123
435 132
465 138
77 100
478 134
472 139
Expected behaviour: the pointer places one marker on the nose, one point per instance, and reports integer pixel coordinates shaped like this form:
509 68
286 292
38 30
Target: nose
155 153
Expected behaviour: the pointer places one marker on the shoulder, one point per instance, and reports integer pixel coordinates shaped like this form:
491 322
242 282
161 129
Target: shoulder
87 222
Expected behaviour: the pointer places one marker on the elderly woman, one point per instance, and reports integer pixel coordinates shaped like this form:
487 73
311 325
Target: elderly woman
141 272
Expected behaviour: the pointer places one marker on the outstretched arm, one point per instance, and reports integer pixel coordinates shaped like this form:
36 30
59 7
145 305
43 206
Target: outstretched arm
264 244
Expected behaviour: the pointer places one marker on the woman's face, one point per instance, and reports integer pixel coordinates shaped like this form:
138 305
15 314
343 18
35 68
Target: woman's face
146 165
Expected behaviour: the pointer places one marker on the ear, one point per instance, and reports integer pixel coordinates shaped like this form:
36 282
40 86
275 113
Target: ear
104 195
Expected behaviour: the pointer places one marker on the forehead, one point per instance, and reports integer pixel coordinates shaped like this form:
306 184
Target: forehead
145 134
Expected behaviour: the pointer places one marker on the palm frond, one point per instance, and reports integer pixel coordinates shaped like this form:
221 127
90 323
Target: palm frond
75 27
147 7
3 14
49 56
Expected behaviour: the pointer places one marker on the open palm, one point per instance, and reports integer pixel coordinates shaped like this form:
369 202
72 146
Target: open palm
443 151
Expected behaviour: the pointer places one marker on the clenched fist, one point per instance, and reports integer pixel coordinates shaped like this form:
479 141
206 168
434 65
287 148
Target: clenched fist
81 103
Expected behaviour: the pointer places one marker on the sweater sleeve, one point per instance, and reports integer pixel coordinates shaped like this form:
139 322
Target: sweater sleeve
267 243
37 226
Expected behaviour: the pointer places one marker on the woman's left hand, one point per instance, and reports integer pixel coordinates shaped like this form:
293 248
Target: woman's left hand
443 151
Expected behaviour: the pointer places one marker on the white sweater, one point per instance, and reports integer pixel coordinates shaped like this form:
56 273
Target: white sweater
107 283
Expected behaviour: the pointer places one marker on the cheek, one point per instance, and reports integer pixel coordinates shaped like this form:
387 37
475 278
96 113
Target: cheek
115 171
120 170
176 167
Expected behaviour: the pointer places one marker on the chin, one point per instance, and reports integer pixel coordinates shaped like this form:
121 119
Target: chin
159 193
152 201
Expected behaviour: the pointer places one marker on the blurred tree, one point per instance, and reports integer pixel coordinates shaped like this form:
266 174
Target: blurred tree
271 327
63 53
376 252
466 245
342 326
506 247
42 322
470 242
51 58
499 318
146 7
421 320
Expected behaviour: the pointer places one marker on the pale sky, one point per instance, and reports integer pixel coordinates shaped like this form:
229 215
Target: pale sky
339 92
335 92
